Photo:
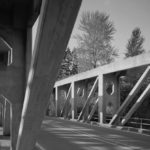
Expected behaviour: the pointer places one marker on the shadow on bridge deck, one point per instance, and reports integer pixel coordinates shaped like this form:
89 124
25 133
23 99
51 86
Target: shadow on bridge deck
59 134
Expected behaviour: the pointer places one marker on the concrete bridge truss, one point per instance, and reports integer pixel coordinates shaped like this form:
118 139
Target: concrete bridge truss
98 91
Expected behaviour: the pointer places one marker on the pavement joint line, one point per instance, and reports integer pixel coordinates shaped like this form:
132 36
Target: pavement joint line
103 139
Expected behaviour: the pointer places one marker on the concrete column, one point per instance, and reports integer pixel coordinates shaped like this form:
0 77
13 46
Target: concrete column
101 100
6 126
73 105
2 106
56 101
16 110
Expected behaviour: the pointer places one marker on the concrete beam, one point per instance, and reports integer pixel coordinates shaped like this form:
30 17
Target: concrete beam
117 66
73 100
55 25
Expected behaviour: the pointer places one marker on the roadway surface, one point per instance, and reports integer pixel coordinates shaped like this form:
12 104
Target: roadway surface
58 134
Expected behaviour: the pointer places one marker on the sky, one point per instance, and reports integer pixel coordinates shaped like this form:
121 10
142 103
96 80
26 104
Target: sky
125 14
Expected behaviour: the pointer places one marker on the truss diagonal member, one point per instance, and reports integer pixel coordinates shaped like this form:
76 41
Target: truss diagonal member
131 95
66 102
88 98
70 107
136 105
93 110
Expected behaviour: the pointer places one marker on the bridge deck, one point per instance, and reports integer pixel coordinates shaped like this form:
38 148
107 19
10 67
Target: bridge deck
59 134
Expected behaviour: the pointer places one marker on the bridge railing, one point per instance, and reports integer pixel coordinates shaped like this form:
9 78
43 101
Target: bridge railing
140 123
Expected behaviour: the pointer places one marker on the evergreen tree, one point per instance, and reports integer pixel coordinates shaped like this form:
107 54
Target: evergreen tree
135 44
68 66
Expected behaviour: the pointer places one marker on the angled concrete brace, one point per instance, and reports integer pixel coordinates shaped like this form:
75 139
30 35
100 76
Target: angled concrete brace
84 98
55 25
71 107
92 91
136 105
93 110
64 111
131 95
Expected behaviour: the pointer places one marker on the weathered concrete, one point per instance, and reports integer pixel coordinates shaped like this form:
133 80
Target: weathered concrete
55 24
16 16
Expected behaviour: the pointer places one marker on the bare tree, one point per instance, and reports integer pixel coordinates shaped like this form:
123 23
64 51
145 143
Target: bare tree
94 40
